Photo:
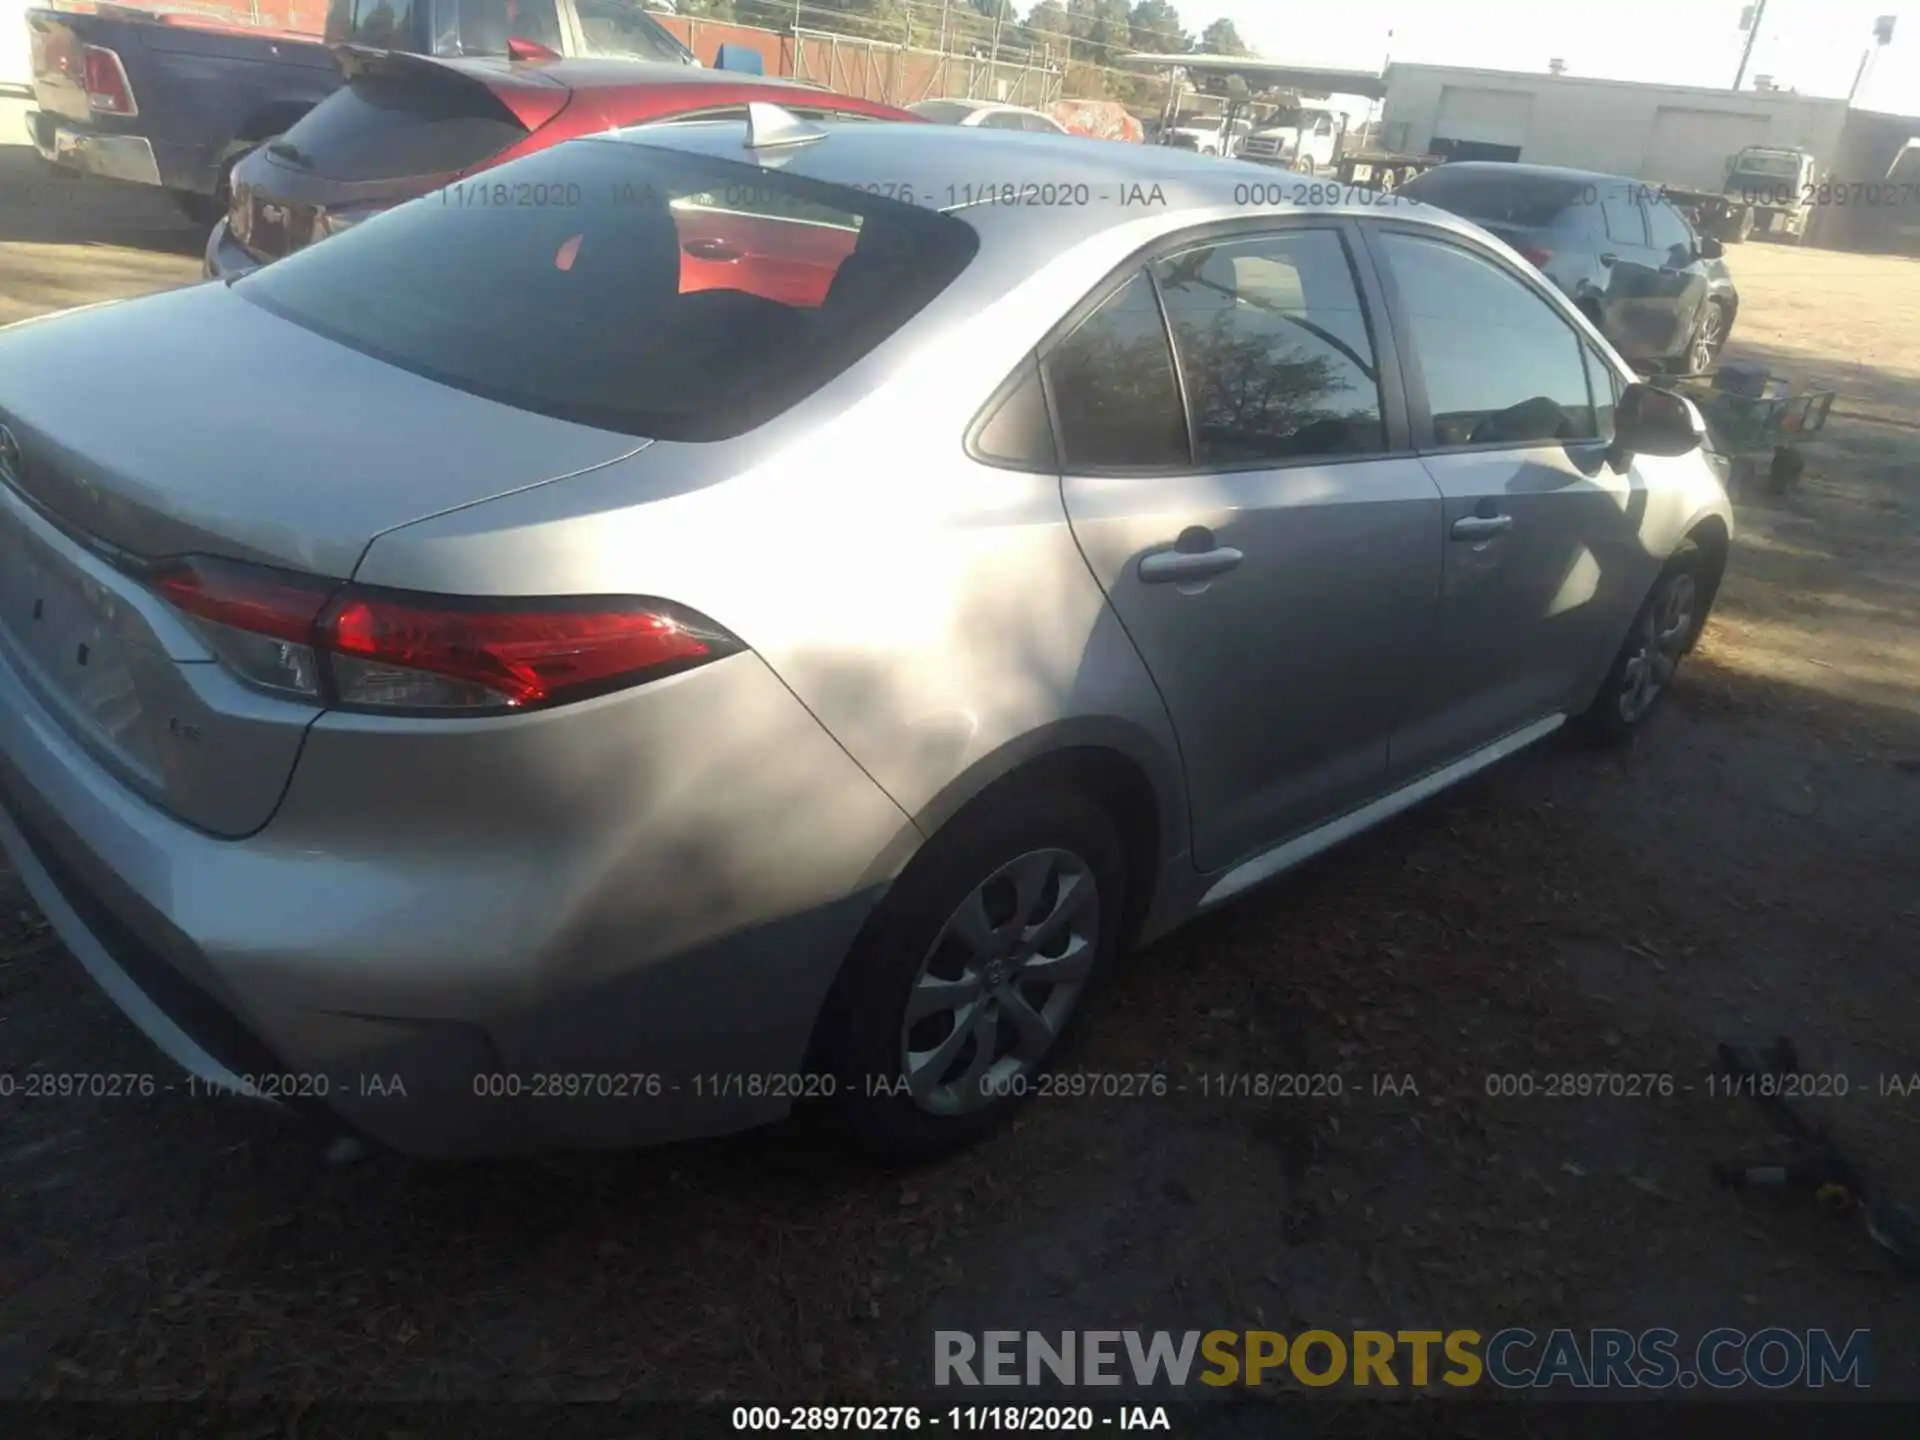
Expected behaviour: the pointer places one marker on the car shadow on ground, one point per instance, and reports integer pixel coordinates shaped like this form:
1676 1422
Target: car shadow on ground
41 204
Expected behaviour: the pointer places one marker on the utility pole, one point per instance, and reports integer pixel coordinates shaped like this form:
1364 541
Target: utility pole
1754 14
1882 36
993 58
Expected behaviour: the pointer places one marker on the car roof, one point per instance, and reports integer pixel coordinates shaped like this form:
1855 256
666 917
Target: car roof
1533 172
1067 187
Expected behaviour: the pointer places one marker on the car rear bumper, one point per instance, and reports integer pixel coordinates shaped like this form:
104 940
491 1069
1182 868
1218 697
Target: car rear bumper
93 152
637 981
226 257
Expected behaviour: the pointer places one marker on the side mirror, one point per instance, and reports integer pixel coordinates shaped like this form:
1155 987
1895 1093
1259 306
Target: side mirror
742 58
1652 421
1710 248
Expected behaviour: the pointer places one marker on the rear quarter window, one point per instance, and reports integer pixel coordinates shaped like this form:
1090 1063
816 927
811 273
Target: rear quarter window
631 288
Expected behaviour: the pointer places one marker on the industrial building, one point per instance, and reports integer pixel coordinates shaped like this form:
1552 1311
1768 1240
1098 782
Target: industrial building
1679 135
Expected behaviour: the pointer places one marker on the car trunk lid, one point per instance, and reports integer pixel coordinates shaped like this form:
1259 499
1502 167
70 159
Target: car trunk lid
166 427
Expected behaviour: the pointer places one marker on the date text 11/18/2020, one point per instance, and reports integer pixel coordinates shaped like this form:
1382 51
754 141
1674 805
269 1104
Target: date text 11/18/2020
893 1419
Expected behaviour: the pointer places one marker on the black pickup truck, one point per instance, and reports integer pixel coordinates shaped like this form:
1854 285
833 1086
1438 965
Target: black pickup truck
174 99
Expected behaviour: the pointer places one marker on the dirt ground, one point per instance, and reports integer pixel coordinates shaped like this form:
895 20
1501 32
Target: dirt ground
1748 868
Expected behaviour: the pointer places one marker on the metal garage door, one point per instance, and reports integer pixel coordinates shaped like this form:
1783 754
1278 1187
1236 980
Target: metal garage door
1497 118
1692 147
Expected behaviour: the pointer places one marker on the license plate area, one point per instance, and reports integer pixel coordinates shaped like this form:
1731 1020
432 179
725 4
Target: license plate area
67 635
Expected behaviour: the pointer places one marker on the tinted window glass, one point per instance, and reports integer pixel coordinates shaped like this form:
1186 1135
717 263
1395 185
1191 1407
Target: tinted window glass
1039 125
1623 218
381 128
483 27
1605 385
1671 233
1017 432
611 305
612 27
1500 366
1273 348
383 24
1493 198
1113 387
1003 120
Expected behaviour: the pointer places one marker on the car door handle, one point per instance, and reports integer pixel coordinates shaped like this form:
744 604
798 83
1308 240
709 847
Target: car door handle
1479 527
1166 567
1608 259
702 249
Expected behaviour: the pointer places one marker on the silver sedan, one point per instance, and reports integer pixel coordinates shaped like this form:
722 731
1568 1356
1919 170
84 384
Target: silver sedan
735 615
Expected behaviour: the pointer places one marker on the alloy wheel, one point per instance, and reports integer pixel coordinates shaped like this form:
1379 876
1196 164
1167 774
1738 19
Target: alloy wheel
1706 339
1661 640
1000 981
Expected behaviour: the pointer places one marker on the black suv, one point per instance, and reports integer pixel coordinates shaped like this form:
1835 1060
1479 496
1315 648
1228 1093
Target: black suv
1621 252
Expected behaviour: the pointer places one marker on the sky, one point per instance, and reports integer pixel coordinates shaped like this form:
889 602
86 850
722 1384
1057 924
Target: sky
1811 45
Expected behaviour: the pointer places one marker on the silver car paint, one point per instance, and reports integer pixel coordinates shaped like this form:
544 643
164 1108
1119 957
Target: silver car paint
664 881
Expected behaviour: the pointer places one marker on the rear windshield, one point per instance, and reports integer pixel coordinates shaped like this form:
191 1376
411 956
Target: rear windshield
1492 199
627 287
944 112
385 127
1775 166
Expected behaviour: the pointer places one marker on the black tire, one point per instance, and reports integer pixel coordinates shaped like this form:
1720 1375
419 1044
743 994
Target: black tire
863 1036
203 210
1610 719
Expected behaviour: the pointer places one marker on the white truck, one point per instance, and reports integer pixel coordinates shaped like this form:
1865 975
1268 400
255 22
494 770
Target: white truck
1301 138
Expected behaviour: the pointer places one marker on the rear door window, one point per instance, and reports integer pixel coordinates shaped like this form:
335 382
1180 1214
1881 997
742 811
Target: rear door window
1273 349
379 127
616 298
1116 400
1621 212
613 27
483 27
379 24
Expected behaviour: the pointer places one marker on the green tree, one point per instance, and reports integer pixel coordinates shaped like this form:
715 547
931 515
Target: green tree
1221 38
1155 26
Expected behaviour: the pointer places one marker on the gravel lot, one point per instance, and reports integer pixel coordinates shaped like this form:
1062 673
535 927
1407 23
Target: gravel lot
1748 869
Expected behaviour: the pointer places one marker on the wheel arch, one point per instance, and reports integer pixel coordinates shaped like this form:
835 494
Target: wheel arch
1111 763
1712 538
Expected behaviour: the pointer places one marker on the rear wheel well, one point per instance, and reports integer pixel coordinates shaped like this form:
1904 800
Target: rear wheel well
1122 790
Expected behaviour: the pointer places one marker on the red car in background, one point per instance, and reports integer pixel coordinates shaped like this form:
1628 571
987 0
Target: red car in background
406 125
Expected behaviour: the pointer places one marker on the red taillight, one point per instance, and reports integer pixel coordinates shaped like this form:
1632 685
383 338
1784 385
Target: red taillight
262 602
523 656
108 92
1534 255
365 648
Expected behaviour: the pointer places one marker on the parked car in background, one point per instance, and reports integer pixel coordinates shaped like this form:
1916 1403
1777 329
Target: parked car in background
1206 134
404 125
987 115
1619 250
1302 139
483 650
174 99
